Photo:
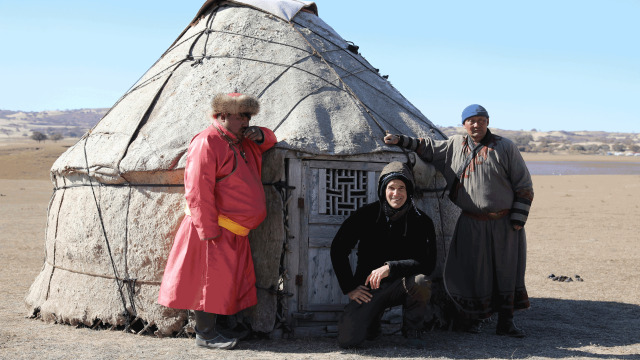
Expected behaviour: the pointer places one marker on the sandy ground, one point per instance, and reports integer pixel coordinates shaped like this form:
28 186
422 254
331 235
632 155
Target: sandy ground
584 225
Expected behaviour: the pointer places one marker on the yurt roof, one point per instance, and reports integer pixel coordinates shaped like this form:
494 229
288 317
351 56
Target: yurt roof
284 9
317 93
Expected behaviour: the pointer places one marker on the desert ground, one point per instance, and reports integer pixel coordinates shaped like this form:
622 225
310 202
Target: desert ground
580 224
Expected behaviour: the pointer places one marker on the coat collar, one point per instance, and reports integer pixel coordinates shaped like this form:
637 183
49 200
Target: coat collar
226 133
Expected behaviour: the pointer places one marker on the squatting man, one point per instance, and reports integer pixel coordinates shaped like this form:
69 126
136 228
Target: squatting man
396 254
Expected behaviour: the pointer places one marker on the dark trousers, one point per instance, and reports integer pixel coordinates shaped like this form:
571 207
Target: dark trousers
205 324
412 292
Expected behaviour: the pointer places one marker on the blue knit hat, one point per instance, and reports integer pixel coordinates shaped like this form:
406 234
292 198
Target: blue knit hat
474 110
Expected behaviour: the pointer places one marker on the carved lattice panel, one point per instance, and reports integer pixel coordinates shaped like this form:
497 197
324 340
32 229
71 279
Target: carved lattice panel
346 190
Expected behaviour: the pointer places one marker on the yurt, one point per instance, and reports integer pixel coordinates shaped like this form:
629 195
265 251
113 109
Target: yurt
118 194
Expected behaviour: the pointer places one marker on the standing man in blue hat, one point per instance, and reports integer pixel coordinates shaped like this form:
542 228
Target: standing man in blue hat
488 179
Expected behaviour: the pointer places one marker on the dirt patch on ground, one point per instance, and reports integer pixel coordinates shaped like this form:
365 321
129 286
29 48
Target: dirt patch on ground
28 159
585 225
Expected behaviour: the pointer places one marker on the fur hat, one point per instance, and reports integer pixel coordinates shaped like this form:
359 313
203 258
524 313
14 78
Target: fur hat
235 103
474 110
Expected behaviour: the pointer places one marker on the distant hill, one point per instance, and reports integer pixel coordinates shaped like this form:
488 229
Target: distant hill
74 123
579 142
68 123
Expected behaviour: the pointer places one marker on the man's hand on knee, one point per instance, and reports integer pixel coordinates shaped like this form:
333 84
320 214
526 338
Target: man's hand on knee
375 278
360 294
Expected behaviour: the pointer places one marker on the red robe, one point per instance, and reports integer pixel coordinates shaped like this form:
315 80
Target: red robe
217 275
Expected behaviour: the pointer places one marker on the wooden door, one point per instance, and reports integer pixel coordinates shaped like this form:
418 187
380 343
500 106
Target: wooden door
334 189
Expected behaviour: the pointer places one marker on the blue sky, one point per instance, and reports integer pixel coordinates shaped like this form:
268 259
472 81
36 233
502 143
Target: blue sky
549 65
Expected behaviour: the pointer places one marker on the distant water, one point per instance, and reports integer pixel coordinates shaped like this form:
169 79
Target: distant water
583 168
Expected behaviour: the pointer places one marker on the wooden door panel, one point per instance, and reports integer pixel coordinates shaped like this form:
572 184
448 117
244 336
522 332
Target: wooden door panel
335 189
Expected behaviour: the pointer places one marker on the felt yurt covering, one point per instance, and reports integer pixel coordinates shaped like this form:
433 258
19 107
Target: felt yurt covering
118 193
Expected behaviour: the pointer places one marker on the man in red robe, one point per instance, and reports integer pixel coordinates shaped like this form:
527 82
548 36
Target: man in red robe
210 269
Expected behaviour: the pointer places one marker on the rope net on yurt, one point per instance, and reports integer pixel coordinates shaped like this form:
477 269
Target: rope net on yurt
320 97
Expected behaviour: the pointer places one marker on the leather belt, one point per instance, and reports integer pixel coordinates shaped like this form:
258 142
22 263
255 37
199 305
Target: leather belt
487 216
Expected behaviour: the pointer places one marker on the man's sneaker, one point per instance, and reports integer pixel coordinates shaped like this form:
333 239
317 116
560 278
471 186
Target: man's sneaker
414 339
217 342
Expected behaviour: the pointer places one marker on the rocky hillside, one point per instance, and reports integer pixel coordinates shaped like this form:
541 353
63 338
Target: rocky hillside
74 123
584 142
67 123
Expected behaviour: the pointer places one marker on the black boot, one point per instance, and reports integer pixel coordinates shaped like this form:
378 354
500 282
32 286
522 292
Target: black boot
207 336
507 327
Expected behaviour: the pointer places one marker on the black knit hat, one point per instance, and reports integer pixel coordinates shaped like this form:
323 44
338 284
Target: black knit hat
395 170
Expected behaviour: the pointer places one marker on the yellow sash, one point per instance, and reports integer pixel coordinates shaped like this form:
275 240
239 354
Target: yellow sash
226 223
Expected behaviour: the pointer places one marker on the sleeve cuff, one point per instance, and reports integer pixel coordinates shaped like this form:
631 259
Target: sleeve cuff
392 264
261 141
212 231
520 211
408 142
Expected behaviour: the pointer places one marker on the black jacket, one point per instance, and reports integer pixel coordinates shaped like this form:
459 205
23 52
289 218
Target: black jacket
381 242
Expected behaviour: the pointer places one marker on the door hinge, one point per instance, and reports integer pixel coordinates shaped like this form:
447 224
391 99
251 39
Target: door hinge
300 203
299 280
